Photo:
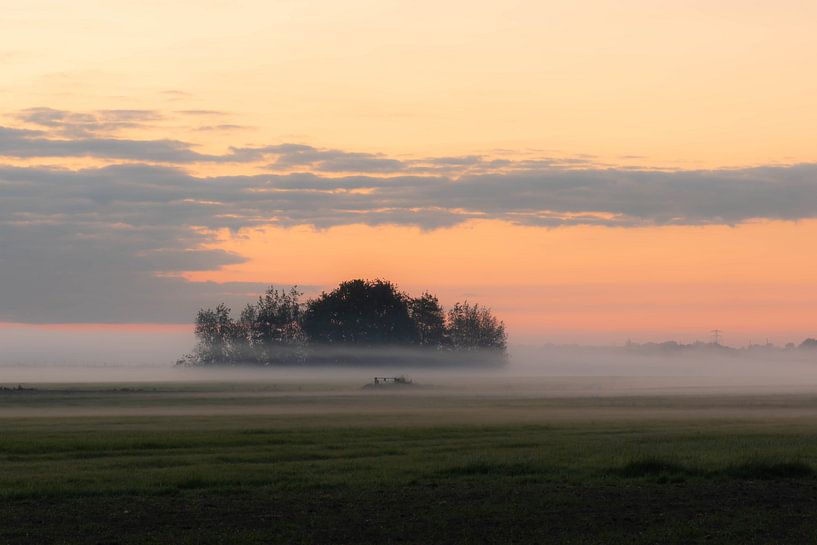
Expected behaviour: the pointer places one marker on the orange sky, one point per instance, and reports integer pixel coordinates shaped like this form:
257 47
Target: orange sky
684 83
755 279
640 84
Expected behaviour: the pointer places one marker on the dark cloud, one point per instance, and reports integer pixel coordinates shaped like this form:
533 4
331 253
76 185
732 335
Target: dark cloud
628 197
150 195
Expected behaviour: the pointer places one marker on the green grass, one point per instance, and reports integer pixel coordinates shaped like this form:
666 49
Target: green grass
322 478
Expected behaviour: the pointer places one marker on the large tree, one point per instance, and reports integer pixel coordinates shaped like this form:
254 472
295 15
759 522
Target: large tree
474 327
360 312
429 320
218 336
273 327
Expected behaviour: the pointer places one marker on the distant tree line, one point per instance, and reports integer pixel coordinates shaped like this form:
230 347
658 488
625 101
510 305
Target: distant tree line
810 344
359 322
668 347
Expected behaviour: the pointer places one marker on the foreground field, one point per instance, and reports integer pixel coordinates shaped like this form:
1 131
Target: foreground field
228 463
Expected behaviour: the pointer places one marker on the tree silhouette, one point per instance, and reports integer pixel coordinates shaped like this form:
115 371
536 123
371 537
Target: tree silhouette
360 312
429 320
216 332
472 327
279 329
273 327
809 343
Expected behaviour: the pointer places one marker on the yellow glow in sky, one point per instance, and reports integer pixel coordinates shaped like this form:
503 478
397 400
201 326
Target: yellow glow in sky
755 279
683 83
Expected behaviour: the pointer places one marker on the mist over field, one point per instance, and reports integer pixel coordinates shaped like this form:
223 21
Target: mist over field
75 346
34 355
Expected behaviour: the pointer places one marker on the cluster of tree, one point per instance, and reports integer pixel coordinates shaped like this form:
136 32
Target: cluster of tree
361 321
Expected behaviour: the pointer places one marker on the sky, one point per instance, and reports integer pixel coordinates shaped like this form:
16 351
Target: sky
594 171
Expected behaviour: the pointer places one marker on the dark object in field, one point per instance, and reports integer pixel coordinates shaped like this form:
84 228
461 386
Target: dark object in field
19 388
390 382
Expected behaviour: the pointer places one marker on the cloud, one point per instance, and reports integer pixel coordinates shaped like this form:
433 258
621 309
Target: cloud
49 132
143 195
290 156
99 244
202 112
107 243
53 133
328 160
632 197
77 136
83 124
27 143
176 94
222 127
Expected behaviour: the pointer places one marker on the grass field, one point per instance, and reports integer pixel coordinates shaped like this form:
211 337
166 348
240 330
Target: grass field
324 464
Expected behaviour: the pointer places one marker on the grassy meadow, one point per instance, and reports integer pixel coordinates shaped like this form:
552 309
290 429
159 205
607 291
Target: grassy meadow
324 464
